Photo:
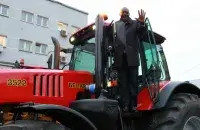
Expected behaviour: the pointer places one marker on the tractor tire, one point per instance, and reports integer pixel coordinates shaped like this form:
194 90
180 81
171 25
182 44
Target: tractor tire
182 112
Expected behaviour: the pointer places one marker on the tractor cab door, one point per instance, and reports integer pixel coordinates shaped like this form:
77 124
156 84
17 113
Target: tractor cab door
151 62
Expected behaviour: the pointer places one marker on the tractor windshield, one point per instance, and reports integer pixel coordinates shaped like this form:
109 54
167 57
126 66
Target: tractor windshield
83 57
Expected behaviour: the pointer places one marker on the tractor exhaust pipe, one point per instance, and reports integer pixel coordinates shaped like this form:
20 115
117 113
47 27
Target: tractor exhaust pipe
56 53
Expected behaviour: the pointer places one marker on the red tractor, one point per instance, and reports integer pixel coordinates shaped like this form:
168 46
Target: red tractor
84 97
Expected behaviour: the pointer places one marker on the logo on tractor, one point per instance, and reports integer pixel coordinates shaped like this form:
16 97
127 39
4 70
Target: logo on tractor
76 85
17 82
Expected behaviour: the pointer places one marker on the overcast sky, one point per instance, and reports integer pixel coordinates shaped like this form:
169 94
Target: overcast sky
177 20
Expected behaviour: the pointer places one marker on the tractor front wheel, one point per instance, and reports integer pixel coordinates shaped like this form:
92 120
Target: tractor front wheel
181 113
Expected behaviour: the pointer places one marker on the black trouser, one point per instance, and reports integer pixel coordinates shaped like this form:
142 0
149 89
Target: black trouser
128 78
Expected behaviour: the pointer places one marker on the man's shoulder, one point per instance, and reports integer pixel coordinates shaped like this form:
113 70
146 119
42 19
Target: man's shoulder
132 21
118 21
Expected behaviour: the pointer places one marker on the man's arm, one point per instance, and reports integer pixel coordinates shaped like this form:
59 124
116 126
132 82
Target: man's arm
141 28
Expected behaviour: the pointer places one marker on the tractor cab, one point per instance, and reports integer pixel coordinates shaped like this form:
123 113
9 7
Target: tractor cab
91 41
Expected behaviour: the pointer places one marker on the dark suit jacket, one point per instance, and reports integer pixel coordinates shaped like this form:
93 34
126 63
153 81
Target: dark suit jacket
127 40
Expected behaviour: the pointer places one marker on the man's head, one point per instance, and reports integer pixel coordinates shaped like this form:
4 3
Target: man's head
124 14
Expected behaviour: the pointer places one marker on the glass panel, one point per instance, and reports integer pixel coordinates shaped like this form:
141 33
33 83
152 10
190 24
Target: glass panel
150 49
37 48
21 45
45 22
84 58
3 41
140 67
59 26
62 26
39 20
30 17
23 16
163 64
5 10
148 54
43 49
84 61
28 46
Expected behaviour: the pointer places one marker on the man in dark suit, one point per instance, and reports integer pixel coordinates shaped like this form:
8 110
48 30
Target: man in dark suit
126 55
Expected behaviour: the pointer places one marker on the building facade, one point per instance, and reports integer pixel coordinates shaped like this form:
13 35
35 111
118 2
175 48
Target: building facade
26 28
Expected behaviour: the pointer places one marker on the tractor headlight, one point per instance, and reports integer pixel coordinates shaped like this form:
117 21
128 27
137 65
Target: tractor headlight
93 27
72 39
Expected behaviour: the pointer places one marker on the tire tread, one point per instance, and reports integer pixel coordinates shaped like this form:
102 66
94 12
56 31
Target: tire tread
167 117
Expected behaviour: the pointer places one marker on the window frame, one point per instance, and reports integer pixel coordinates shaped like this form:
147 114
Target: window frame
5 40
26 41
26 19
42 21
41 44
1 9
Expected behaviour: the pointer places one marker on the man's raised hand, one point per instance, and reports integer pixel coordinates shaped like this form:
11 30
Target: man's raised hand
141 15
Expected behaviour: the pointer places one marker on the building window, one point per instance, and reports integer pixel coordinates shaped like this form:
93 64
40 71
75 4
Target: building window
62 26
4 10
40 48
74 29
3 41
27 17
25 45
42 21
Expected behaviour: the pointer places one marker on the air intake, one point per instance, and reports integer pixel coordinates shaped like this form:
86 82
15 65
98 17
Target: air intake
48 85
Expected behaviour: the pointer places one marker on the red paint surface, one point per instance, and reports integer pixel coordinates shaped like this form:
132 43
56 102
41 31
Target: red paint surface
54 92
14 94
144 100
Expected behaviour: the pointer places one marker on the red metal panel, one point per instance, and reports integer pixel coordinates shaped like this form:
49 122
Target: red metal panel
31 92
44 85
51 85
61 86
56 85
37 88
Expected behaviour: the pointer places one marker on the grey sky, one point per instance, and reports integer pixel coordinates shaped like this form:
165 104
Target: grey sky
177 20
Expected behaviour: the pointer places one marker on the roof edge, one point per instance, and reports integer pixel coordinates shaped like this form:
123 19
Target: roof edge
57 2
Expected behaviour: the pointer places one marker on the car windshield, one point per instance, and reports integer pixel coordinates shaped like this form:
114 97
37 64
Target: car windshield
83 57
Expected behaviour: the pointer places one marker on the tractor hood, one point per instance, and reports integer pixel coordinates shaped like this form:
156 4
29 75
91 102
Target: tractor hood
66 116
58 87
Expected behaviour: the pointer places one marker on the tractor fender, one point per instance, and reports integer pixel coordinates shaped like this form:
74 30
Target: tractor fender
172 88
66 116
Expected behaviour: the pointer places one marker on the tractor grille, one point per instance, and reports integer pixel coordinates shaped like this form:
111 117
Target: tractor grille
48 85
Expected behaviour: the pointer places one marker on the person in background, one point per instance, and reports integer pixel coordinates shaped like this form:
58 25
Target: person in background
126 55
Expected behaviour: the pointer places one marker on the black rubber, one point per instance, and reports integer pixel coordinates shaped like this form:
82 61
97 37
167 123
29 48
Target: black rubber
179 109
